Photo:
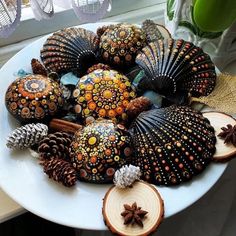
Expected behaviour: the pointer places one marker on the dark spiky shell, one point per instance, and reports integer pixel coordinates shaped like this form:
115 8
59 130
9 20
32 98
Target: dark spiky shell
34 98
70 49
176 65
172 144
120 43
103 93
99 150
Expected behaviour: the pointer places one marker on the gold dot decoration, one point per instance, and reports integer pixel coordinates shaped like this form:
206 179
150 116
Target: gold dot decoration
33 97
172 144
99 150
103 93
120 43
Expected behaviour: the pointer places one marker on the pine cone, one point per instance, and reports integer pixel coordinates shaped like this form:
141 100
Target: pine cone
125 176
27 136
55 145
138 105
37 67
60 170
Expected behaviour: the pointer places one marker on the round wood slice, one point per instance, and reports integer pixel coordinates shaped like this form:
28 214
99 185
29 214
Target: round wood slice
224 152
146 196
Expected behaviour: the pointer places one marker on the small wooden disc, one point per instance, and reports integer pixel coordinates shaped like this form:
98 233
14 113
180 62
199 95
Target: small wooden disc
146 196
224 152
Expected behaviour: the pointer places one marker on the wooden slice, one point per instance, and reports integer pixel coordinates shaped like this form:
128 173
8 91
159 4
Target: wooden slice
224 152
146 196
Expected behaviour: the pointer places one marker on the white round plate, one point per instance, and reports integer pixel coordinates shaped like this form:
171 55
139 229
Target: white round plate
22 178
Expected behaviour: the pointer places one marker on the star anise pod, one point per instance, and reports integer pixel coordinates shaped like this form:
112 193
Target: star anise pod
228 134
133 214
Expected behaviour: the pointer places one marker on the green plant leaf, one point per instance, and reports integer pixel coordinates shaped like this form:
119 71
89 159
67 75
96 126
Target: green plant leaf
170 12
188 25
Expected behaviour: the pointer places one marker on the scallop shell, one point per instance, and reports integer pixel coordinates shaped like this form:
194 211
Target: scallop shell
99 150
70 50
176 65
154 31
171 144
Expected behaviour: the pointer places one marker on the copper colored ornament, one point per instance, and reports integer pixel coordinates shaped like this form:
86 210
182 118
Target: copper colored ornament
120 43
33 98
99 150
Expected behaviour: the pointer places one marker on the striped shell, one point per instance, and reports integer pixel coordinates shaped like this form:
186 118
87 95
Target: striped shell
70 50
176 65
171 144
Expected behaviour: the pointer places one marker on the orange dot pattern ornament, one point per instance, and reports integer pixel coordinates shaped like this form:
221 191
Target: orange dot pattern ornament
99 150
103 93
120 43
33 98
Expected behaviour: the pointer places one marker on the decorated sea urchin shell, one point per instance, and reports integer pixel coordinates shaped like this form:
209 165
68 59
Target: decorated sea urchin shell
33 98
176 65
120 43
99 150
172 144
103 93
70 50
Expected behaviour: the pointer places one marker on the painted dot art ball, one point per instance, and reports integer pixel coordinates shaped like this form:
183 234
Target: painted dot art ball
33 98
103 93
99 150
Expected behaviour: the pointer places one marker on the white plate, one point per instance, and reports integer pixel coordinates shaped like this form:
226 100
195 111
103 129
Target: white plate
22 178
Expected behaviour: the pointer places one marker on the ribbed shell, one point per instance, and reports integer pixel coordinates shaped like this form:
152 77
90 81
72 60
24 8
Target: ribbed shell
171 144
176 65
70 49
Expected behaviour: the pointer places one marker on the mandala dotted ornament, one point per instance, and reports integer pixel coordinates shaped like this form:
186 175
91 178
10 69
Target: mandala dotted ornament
103 93
99 150
120 43
33 97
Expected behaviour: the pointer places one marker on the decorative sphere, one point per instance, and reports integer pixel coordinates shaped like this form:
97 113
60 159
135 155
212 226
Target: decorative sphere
99 150
103 93
33 98
120 43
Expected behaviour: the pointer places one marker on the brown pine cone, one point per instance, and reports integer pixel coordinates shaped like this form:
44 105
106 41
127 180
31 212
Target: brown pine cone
37 67
60 170
55 145
138 105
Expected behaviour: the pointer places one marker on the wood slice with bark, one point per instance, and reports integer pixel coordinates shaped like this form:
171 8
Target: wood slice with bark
145 197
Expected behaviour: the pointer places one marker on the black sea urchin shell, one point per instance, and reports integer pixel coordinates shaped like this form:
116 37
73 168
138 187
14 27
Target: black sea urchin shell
176 65
172 144
70 49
